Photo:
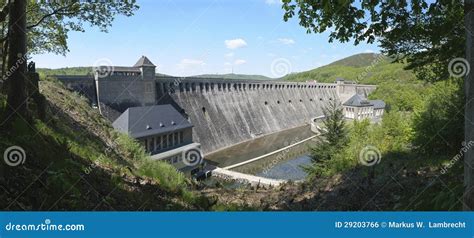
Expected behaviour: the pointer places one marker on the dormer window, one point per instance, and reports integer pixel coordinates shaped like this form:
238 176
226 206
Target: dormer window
173 123
148 127
162 125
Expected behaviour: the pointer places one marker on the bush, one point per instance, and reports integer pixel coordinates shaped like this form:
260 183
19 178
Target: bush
439 123
166 174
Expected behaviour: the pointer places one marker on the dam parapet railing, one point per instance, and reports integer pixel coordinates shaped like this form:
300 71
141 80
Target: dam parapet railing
198 84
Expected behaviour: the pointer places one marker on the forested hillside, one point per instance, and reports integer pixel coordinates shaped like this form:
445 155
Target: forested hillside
398 87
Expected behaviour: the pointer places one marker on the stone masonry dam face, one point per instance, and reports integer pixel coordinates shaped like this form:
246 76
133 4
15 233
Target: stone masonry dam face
224 112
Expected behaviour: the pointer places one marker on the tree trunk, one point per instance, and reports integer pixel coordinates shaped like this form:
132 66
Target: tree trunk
16 70
469 109
4 89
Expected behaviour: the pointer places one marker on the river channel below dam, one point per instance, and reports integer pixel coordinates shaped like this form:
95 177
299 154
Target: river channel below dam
272 156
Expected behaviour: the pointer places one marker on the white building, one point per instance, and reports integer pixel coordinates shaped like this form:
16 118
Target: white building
358 108
164 133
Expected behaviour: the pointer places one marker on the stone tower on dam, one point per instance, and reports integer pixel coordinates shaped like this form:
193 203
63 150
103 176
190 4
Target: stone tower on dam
224 112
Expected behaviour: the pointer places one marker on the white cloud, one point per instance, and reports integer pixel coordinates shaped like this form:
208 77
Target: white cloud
239 62
235 43
286 41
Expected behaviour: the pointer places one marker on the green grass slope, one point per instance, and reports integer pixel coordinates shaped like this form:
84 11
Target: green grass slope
76 161
65 71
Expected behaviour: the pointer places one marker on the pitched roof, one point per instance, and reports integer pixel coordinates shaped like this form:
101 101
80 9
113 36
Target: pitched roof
357 101
378 104
150 120
143 61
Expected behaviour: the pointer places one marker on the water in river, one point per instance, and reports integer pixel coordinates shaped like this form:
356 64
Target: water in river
285 164
288 170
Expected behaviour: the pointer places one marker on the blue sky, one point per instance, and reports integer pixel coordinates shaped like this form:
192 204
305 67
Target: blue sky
190 37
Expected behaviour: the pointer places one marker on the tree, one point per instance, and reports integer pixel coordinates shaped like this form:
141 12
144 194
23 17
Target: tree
16 101
42 26
427 35
333 131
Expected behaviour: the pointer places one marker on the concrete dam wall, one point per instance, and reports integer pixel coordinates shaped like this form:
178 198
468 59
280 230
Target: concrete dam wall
223 112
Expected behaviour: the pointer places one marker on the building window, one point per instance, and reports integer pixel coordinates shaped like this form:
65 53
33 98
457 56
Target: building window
151 142
170 140
149 88
165 141
176 139
181 137
158 143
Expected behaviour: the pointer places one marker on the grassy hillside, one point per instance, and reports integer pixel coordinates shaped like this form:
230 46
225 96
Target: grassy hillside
76 161
397 87
362 68
65 71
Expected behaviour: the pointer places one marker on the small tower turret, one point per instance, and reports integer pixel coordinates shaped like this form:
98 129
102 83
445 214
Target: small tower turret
147 68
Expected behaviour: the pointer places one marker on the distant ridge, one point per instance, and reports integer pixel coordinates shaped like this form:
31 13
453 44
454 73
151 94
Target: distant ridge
75 71
366 68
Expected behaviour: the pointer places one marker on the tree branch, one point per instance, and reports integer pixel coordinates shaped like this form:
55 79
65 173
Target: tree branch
4 12
54 12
